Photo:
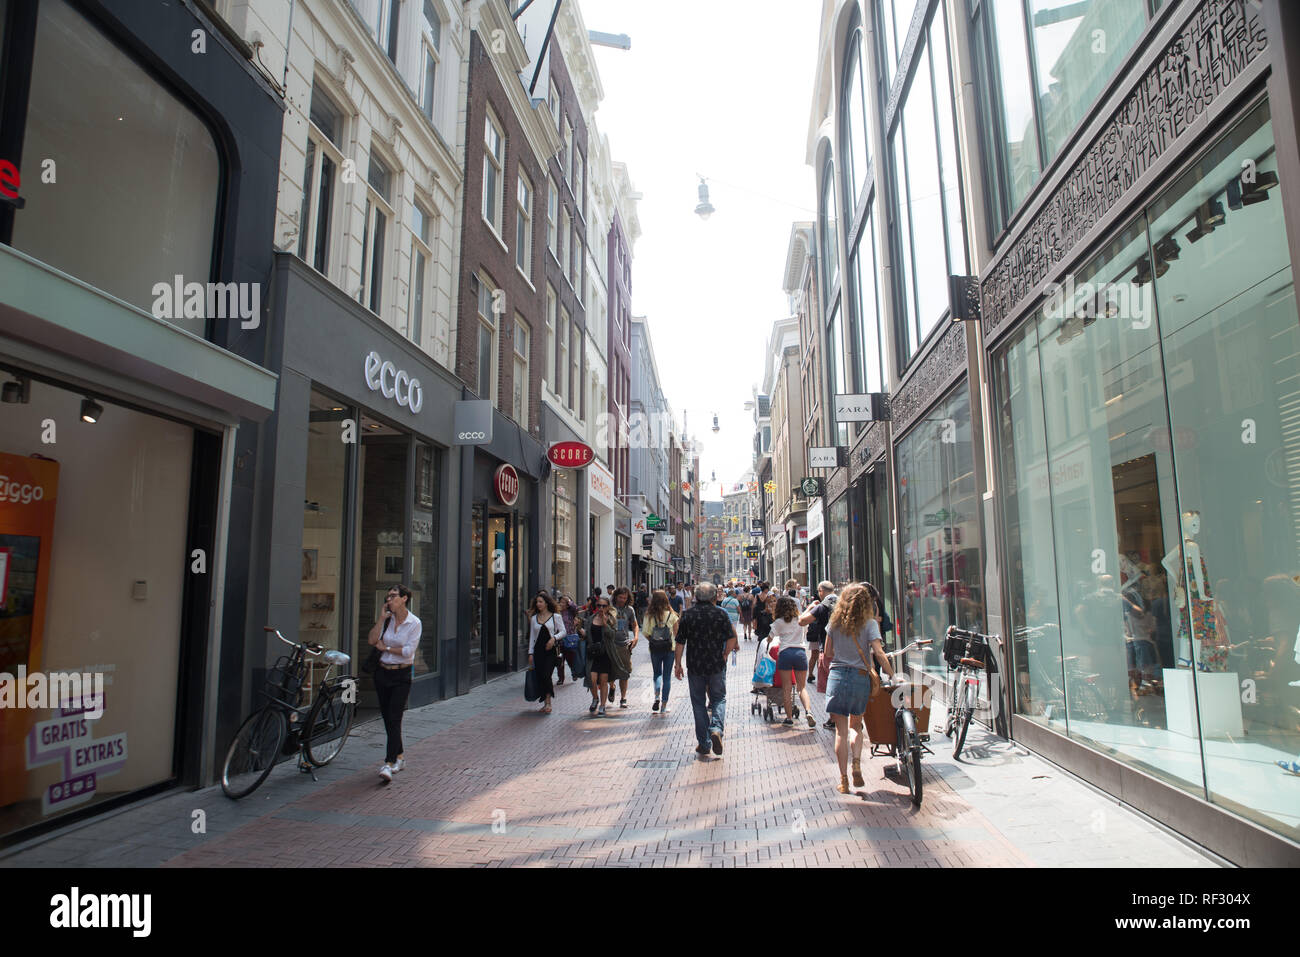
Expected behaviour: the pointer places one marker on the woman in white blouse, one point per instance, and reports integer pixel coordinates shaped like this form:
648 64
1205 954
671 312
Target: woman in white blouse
792 659
544 623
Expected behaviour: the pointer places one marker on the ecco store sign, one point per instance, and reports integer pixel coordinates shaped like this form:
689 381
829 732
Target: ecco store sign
393 383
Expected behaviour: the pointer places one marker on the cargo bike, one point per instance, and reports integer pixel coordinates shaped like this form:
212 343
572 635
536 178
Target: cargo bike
898 723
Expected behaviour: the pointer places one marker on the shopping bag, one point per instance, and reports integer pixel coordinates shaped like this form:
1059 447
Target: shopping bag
823 672
530 685
765 671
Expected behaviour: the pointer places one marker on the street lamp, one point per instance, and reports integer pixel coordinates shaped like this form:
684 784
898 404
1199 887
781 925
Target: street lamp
704 209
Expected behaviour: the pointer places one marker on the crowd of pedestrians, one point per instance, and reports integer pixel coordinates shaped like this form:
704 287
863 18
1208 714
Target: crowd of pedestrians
689 636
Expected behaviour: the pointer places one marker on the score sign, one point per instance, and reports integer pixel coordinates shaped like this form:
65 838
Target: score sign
9 181
570 455
506 484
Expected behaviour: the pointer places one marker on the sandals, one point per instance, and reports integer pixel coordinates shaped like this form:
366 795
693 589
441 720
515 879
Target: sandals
858 782
844 784
594 705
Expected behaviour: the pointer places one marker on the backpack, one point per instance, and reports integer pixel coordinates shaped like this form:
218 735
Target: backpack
661 636
746 603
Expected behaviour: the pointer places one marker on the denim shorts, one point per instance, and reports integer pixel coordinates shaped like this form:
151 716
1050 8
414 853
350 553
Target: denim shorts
846 692
792 659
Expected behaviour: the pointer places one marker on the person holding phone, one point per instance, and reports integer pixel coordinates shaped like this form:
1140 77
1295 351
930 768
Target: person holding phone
545 632
396 634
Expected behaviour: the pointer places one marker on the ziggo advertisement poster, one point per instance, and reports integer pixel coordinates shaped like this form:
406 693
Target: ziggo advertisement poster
28 498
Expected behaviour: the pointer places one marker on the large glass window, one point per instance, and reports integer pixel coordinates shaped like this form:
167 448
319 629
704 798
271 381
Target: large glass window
431 43
829 241
1161 613
421 270
868 319
835 371
524 227
139 175
374 238
1077 46
837 541
324 511
928 227
939 527
523 343
1037 86
89 557
853 111
486 343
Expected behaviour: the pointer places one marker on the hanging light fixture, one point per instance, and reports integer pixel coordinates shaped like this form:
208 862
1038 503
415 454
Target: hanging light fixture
716 427
704 209
91 410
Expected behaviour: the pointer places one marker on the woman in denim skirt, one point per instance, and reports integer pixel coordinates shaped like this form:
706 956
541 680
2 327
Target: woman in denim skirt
849 634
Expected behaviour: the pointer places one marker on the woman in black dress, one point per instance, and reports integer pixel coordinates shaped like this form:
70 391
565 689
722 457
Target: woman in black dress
545 631
599 634
764 616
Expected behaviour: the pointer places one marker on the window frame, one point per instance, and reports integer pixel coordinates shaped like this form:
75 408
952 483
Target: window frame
487 322
495 158
421 249
374 253
309 238
524 226
519 402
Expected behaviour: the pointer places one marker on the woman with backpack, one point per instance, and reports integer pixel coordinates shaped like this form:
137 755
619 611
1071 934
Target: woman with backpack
746 611
660 628
764 615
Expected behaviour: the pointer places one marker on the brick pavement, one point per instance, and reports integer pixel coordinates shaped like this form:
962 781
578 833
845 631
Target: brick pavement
489 782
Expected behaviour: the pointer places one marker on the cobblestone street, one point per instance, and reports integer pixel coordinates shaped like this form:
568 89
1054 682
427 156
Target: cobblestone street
490 782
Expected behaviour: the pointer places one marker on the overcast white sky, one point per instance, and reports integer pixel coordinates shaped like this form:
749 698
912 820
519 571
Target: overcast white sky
724 90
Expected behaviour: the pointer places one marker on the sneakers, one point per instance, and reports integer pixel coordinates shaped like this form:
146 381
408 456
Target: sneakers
594 705
623 703
600 713
788 722
664 709
398 765
386 772
829 725
655 706
717 742
811 722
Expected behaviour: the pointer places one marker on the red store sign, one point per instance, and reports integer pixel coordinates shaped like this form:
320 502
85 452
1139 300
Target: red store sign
570 455
506 484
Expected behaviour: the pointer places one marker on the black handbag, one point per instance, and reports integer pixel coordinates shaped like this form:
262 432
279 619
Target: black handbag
530 686
371 664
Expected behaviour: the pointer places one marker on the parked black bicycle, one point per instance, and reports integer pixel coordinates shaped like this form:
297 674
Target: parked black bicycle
967 653
283 727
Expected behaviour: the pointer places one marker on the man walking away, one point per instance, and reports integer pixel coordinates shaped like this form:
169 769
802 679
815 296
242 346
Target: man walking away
706 635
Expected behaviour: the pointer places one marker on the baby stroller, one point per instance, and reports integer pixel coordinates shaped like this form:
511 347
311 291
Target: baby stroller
769 693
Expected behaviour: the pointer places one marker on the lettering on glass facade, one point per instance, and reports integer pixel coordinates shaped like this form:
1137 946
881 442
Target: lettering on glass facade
1220 40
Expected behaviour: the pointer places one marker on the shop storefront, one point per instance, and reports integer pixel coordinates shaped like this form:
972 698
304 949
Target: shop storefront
122 414
600 507
363 478
1149 495
837 542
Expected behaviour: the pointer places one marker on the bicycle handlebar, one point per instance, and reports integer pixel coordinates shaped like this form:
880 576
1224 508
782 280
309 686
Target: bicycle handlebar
311 647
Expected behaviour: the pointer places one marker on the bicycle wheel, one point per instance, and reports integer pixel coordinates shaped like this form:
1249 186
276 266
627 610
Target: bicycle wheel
253 752
963 722
954 706
328 725
909 747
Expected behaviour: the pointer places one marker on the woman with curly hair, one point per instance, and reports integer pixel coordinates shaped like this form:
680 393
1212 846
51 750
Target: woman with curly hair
852 629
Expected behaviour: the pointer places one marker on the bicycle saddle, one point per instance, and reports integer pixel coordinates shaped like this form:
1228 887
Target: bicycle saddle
337 658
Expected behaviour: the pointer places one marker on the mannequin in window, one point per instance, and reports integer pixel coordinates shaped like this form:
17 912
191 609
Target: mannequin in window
1187 563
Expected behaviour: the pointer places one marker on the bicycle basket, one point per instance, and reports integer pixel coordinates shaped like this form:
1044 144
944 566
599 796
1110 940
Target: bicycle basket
954 649
284 682
957 647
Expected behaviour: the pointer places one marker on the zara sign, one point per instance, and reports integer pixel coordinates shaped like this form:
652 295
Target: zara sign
393 383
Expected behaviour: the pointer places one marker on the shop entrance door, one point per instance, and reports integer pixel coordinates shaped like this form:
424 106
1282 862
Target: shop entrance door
499 625
478 592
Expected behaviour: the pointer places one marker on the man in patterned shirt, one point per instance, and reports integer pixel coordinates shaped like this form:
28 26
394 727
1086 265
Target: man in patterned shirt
706 635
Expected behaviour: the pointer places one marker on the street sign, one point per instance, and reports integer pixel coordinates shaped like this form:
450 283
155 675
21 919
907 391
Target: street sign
570 455
863 407
472 422
811 487
654 521
826 457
